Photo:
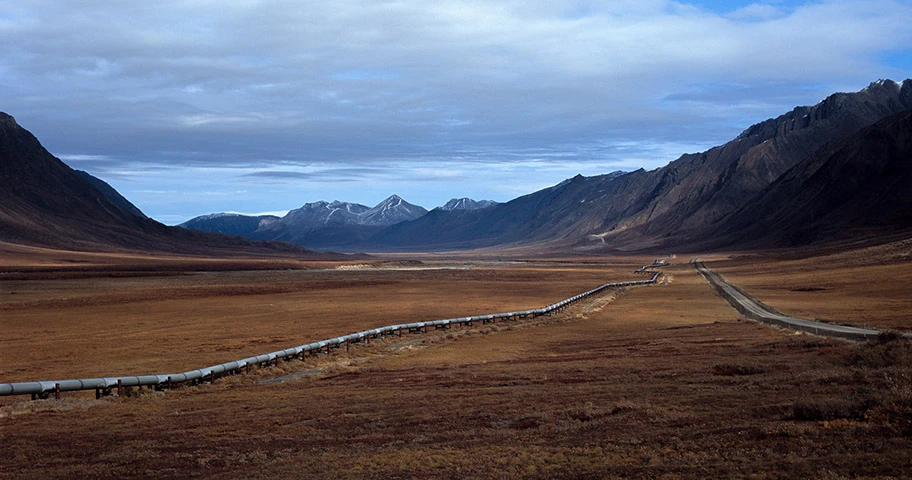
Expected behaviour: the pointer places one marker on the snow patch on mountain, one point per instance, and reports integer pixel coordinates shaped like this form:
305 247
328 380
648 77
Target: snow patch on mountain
391 211
465 203
323 214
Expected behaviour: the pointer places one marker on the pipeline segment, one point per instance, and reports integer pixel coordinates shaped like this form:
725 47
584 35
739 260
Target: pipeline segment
105 385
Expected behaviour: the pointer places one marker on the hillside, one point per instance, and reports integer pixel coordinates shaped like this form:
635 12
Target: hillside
48 204
112 194
230 223
857 186
813 175
337 224
678 204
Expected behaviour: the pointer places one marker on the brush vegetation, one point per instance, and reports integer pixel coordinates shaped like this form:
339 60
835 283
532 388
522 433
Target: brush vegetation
651 382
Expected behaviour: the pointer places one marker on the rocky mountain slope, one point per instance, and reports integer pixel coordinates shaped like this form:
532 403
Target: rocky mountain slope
321 225
673 205
230 223
325 225
46 203
818 174
391 211
112 194
465 203
860 185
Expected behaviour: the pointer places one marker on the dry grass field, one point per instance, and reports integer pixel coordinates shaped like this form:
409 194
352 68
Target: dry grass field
651 382
859 287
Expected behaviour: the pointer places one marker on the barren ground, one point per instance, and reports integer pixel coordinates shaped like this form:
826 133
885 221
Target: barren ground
660 381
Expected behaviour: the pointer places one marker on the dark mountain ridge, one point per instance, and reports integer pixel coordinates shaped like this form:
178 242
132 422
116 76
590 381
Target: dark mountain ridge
466 203
326 225
43 202
835 170
230 223
391 211
671 205
112 194
539 214
854 186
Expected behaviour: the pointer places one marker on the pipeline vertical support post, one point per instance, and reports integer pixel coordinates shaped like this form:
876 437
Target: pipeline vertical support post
119 387
56 391
170 385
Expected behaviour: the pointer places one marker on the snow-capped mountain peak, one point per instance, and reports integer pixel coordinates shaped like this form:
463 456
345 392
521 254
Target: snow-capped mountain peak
467 204
391 211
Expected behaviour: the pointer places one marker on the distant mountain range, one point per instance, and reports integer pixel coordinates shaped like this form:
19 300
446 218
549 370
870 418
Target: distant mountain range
703 200
467 204
833 172
230 223
326 225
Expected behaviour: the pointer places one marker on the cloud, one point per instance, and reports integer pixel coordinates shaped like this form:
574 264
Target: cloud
280 175
757 12
321 173
267 86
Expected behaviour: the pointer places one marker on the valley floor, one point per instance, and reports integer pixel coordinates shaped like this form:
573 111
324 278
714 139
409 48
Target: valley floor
651 382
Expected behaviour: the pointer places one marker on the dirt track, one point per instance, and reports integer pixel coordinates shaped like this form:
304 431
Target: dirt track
756 310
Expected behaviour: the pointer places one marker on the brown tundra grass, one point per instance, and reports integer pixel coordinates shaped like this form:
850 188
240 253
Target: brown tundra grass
653 382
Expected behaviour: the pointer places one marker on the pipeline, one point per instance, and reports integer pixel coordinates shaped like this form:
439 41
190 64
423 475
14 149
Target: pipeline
105 386
657 263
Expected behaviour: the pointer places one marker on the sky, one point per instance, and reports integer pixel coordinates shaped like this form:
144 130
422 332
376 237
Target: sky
192 107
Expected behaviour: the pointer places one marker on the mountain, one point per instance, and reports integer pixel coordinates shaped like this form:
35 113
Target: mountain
817 174
699 190
112 194
467 204
317 215
324 225
46 203
553 215
391 211
230 223
512 222
673 205
320 215
860 185
318 225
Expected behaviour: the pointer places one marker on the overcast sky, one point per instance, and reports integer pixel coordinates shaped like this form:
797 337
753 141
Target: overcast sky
193 107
